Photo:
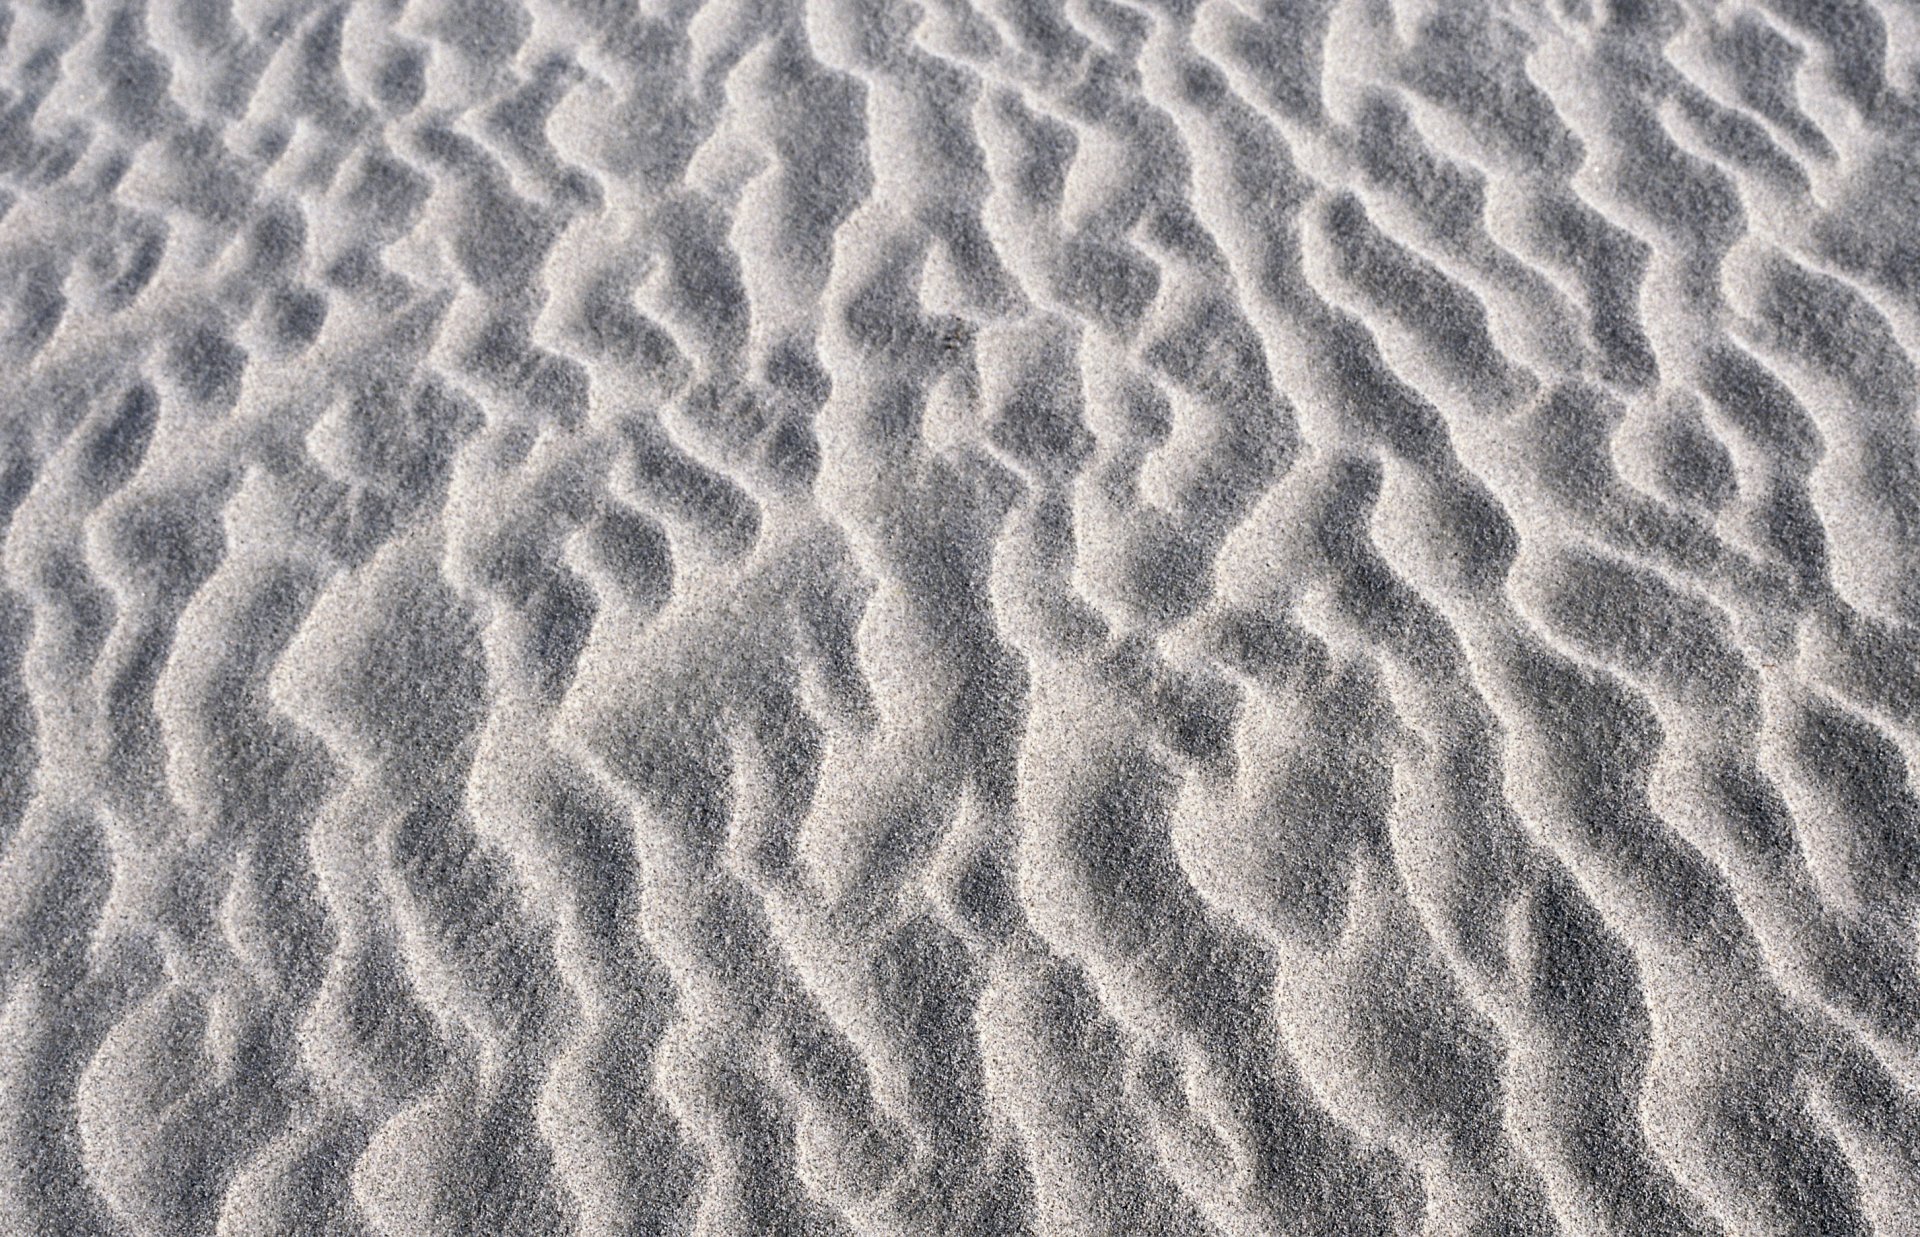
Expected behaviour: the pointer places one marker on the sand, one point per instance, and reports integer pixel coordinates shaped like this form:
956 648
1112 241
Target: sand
959 617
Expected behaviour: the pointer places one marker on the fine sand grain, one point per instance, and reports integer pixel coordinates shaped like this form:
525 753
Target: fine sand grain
959 617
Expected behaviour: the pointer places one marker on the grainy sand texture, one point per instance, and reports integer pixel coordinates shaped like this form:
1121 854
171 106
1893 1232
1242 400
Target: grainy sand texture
959 617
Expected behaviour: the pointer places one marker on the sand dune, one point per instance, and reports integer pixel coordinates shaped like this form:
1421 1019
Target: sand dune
968 616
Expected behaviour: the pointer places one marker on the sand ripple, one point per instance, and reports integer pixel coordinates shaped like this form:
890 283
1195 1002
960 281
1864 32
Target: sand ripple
976 616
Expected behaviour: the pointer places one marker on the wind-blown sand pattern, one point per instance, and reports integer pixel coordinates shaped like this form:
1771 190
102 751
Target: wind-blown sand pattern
978 616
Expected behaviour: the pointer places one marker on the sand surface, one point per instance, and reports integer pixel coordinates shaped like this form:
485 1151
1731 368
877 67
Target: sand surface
960 617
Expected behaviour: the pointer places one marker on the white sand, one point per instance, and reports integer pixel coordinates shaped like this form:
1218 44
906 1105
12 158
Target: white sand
978 616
